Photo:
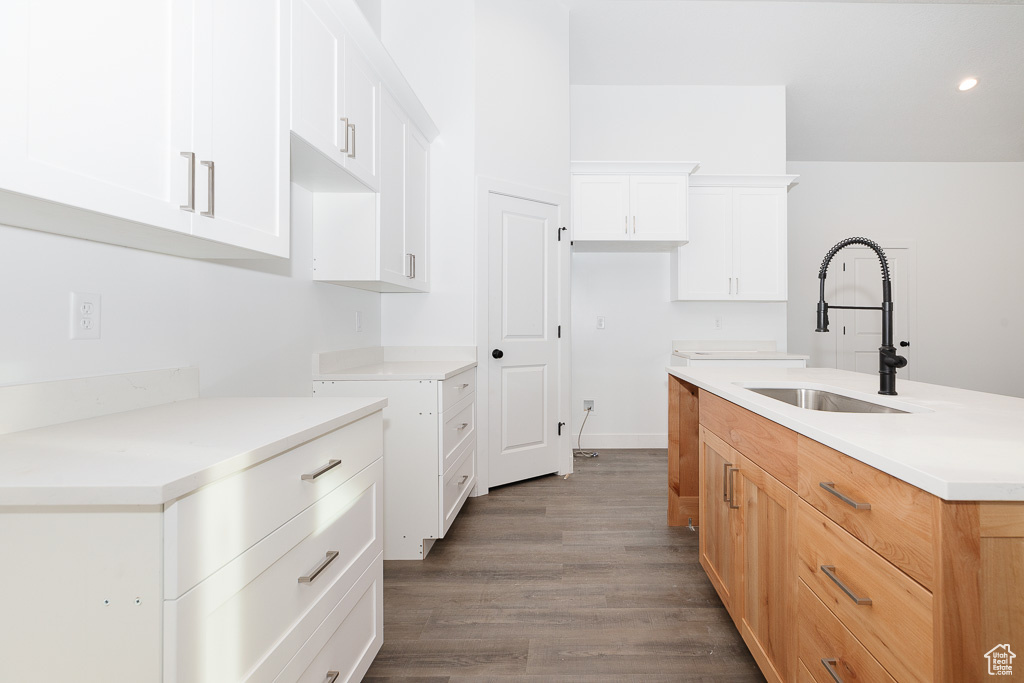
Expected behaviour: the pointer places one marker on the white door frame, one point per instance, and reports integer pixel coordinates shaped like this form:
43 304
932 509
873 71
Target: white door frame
911 281
484 188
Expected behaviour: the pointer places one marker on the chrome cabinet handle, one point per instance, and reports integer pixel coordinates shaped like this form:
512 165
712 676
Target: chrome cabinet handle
627 224
725 480
331 464
408 265
311 577
344 150
831 488
210 188
829 571
737 286
413 276
634 225
732 489
352 154
463 386
332 676
829 665
465 478
730 285
462 426
191 205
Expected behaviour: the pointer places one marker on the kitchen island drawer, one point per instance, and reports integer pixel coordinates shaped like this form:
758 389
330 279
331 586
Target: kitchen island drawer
207 529
886 610
225 626
895 519
343 647
459 428
824 644
456 388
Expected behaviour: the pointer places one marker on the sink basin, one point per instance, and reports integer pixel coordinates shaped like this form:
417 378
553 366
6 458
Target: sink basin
819 399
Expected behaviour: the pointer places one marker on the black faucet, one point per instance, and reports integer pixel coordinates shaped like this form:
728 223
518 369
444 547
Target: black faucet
888 359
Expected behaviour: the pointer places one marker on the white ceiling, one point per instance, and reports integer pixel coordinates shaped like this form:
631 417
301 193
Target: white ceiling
865 81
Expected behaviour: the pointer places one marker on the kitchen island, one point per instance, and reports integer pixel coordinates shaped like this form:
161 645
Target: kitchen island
855 546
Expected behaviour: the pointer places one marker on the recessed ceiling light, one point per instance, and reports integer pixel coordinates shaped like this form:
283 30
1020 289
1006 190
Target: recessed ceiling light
967 84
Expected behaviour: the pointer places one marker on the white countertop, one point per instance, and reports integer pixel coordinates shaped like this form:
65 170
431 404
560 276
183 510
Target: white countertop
397 370
154 455
959 445
740 355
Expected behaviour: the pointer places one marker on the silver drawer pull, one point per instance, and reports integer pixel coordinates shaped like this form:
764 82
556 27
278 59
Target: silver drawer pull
465 478
331 464
830 665
462 386
191 204
352 154
732 488
725 480
332 676
829 571
344 130
462 426
210 189
331 554
831 488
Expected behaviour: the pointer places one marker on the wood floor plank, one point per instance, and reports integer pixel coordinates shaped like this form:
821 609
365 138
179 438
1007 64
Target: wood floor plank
557 580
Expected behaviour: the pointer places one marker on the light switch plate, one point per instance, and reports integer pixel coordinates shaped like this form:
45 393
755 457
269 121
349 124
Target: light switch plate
85 315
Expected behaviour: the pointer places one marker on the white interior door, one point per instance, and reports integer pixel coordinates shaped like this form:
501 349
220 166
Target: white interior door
522 326
859 333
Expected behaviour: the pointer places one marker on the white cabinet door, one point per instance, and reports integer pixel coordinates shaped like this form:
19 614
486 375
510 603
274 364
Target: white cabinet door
657 208
318 49
395 265
704 265
600 207
759 244
96 105
241 139
417 209
362 89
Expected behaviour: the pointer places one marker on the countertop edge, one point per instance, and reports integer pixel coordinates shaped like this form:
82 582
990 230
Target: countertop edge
380 376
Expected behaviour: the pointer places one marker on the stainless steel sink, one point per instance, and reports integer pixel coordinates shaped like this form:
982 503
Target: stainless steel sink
818 399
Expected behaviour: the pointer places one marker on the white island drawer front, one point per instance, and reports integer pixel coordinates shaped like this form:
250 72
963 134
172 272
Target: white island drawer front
456 485
230 623
458 428
347 640
209 528
456 388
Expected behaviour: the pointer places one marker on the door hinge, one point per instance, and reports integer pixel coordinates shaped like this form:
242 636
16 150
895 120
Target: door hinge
560 233
844 266
844 329
559 331
560 425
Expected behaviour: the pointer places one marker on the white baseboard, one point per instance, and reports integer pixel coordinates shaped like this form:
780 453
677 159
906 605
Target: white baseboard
595 441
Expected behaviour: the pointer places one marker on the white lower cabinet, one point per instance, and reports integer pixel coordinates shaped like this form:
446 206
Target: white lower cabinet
429 455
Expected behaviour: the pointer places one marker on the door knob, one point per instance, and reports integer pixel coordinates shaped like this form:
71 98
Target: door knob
904 344
497 353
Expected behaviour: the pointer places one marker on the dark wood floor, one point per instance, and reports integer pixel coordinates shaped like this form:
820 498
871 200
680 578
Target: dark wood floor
556 579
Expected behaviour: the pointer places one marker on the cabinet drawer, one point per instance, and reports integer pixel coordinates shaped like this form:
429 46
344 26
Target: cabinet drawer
456 485
768 445
207 529
900 523
823 637
458 429
456 388
896 626
230 622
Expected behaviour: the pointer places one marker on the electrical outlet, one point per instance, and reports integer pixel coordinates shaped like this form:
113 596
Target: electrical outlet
359 321
588 404
600 322
85 316
718 322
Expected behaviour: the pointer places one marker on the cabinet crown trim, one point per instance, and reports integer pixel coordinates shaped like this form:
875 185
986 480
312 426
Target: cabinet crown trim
633 167
742 180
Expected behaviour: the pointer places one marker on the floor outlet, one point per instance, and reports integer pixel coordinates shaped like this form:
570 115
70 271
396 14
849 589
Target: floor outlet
85 315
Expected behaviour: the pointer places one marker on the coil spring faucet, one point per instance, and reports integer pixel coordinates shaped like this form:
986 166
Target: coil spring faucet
888 359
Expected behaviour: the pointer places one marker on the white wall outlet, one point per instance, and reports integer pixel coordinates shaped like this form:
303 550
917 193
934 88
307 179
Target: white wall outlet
719 324
359 321
588 404
85 315
600 322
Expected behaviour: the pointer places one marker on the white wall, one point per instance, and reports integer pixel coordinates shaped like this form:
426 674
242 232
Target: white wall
249 327
966 221
622 367
432 41
728 130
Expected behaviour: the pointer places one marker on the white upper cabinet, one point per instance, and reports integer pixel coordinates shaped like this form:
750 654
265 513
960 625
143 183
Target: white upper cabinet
737 247
629 205
335 93
107 102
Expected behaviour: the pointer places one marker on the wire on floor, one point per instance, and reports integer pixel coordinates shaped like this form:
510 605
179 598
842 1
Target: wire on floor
578 452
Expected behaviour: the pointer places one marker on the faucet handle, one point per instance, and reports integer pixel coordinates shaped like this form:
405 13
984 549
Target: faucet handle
895 361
